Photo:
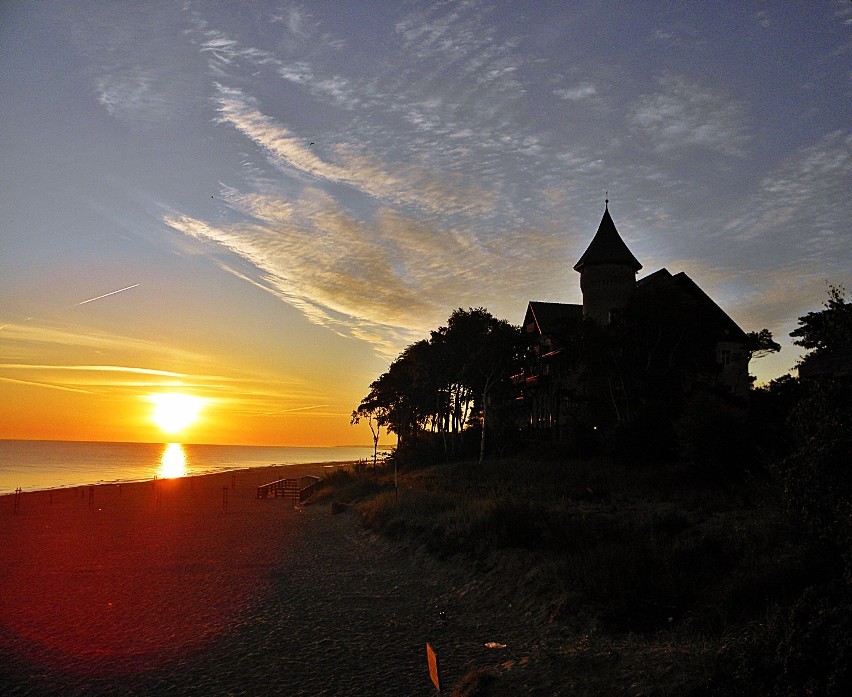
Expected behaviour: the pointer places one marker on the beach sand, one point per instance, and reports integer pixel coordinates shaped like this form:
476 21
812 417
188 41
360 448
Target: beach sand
166 587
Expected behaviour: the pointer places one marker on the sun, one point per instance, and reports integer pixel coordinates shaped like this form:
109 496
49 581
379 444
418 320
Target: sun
175 411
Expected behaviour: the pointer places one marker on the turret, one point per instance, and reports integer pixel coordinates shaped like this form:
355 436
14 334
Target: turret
607 272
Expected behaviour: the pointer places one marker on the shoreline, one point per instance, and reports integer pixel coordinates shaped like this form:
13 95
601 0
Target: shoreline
41 465
327 466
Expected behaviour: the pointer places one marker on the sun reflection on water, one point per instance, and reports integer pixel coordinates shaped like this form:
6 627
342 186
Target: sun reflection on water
172 462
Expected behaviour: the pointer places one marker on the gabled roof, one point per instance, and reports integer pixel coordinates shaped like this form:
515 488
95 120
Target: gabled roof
724 325
607 247
551 318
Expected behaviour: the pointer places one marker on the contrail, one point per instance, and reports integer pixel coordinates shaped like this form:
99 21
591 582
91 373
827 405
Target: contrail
106 295
90 300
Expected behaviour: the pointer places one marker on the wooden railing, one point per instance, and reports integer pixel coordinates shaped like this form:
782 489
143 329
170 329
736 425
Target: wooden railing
295 489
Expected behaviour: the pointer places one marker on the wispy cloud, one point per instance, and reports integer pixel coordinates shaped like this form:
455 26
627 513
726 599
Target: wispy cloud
137 59
133 94
385 282
93 369
808 193
584 90
66 338
383 227
45 385
355 167
419 188
238 386
685 114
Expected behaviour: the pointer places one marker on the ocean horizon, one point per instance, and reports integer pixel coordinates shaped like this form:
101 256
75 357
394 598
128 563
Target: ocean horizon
34 465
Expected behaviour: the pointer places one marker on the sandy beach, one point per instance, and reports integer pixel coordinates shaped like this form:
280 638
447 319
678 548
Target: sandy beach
195 586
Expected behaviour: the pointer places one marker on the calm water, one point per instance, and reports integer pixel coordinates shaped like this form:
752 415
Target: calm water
34 464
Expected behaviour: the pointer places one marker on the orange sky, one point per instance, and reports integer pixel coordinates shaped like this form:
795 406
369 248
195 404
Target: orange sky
87 373
124 414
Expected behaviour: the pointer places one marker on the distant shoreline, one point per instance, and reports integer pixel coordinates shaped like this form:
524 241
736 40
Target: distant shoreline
45 465
194 475
165 441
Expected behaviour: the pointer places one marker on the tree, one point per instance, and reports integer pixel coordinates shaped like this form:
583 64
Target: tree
804 648
818 480
399 399
488 349
761 344
433 383
373 422
826 333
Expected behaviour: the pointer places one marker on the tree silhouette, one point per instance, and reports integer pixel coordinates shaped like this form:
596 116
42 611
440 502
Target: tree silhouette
435 384
826 333
761 344
487 350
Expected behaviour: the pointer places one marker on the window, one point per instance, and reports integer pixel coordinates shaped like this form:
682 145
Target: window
726 356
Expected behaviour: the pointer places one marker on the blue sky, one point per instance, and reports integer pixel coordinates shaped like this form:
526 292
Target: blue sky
302 189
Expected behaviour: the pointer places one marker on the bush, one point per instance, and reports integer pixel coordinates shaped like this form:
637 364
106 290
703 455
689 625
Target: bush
817 478
800 650
474 684
643 581
409 511
425 451
346 486
716 437
647 437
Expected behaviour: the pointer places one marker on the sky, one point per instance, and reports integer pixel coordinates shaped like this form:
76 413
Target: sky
260 204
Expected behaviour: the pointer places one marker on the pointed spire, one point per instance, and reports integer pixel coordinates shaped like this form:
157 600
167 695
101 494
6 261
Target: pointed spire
607 247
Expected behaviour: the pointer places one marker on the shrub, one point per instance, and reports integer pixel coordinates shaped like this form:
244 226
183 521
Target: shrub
425 451
817 478
474 684
409 511
346 486
647 437
716 438
800 650
495 522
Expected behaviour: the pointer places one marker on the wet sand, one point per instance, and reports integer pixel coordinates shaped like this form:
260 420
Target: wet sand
195 586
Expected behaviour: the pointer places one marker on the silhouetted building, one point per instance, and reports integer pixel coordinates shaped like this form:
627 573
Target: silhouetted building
631 347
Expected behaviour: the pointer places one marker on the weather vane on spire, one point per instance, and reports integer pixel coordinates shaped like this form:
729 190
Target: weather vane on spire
606 200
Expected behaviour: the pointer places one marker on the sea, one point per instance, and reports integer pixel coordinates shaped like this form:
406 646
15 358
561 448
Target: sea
32 465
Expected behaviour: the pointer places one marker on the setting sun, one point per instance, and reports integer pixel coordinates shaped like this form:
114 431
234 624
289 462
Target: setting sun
174 411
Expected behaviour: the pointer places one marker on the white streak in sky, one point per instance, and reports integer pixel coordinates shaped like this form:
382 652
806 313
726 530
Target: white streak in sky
106 295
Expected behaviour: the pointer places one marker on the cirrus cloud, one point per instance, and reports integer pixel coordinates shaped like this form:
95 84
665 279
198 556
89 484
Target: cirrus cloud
685 114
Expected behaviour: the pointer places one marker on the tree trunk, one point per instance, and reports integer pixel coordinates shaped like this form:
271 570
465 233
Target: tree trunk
482 434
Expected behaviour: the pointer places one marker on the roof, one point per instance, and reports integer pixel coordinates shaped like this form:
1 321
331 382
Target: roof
607 247
551 318
662 279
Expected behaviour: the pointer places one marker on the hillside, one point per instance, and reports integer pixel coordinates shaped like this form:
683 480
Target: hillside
653 579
